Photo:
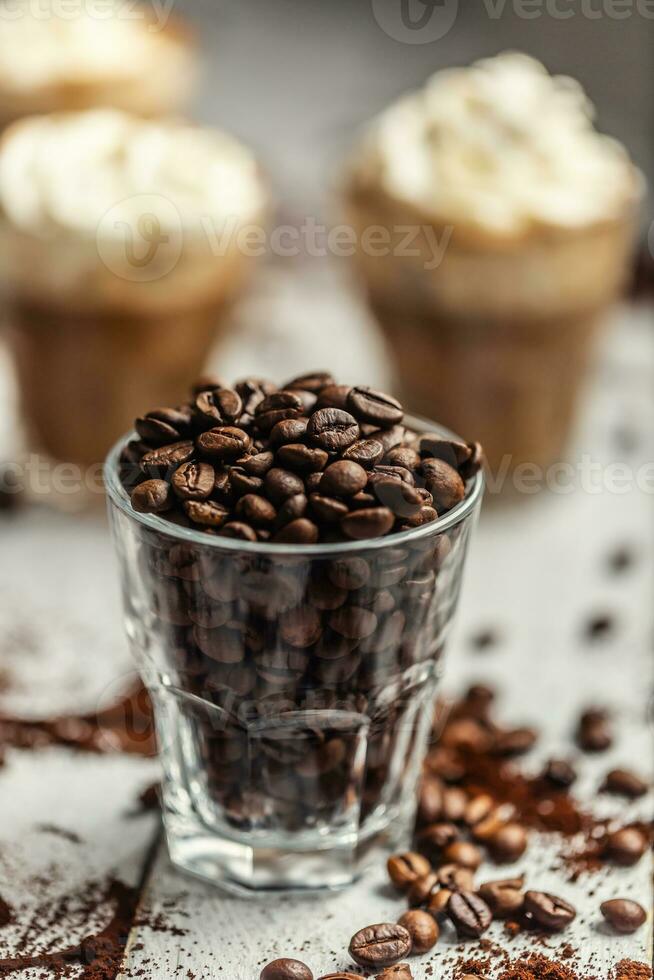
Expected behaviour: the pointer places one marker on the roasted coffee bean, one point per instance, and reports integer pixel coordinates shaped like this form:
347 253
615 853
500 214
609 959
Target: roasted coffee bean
401 498
365 452
300 627
242 482
430 803
549 911
162 426
420 891
623 915
256 510
438 901
343 479
152 497
301 531
401 971
291 510
207 513
559 773
349 573
256 465
444 483
456 878
353 622
218 406
238 530
626 846
374 407
404 869
594 732
313 381
493 823
469 914
288 431
327 509
224 442
424 516
467 734
623 782
508 843
332 429
194 481
286 970
275 408
382 944
306 459
434 838
161 461
323 595
454 804
404 456
477 809
333 396
505 897
372 522
423 929
474 463
342 975
464 854
515 741
280 484
449 450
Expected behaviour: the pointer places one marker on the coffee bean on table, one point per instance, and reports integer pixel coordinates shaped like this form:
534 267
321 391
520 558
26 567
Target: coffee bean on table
469 914
505 897
623 915
423 929
401 971
626 846
420 890
223 442
455 878
508 843
549 911
559 773
343 479
623 782
286 970
404 869
434 838
374 407
152 497
194 481
594 732
382 944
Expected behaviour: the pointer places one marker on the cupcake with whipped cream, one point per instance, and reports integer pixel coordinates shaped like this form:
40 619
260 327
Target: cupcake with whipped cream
120 255
510 222
58 57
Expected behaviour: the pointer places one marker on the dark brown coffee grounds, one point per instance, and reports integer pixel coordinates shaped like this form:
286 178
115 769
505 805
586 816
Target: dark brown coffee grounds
631 970
6 913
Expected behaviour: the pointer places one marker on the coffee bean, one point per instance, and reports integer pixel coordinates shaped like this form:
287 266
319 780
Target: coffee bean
477 809
256 510
291 510
434 838
444 483
374 407
420 890
471 466
301 531
626 846
549 911
349 573
455 878
288 431
365 452
207 513
431 800
594 732
300 627
281 484
327 509
306 459
404 869
353 622
343 479
152 497
454 804
469 914
162 426
623 782
218 406
423 929
333 396
224 442
332 429
508 843
238 530
372 522
161 461
505 897
401 498
343 975
194 481
382 944
314 381
401 971
275 408
242 482
623 915
257 464
514 742
286 970
559 773
438 901
464 854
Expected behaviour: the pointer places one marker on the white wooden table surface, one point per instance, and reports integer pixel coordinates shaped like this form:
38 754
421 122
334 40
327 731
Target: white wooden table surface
537 573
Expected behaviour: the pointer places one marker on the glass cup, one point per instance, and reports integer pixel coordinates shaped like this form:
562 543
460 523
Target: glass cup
293 687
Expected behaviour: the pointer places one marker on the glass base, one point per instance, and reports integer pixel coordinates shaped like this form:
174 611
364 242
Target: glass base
247 871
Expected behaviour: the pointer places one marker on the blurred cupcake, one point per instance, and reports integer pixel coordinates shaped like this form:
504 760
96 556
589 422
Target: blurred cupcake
120 253
58 57
510 221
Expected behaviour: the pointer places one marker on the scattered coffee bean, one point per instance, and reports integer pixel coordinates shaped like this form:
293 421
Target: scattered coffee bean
599 627
383 944
515 741
594 732
559 773
626 846
469 914
436 837
623 915
623 782
508 843
463 854
286 970
404 869
549 911
423 929
402 971
505 897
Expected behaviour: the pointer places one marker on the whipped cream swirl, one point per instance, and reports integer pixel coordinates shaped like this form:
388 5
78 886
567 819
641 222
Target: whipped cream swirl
501 145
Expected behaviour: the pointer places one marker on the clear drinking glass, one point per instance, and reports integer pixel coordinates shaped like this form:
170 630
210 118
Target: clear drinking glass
293 687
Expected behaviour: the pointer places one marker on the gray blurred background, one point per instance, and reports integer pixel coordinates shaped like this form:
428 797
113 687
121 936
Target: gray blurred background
296 78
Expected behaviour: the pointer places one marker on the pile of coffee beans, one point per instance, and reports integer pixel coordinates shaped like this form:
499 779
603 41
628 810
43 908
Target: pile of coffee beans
309 462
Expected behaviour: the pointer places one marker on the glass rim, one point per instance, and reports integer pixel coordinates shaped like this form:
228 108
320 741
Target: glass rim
119 496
